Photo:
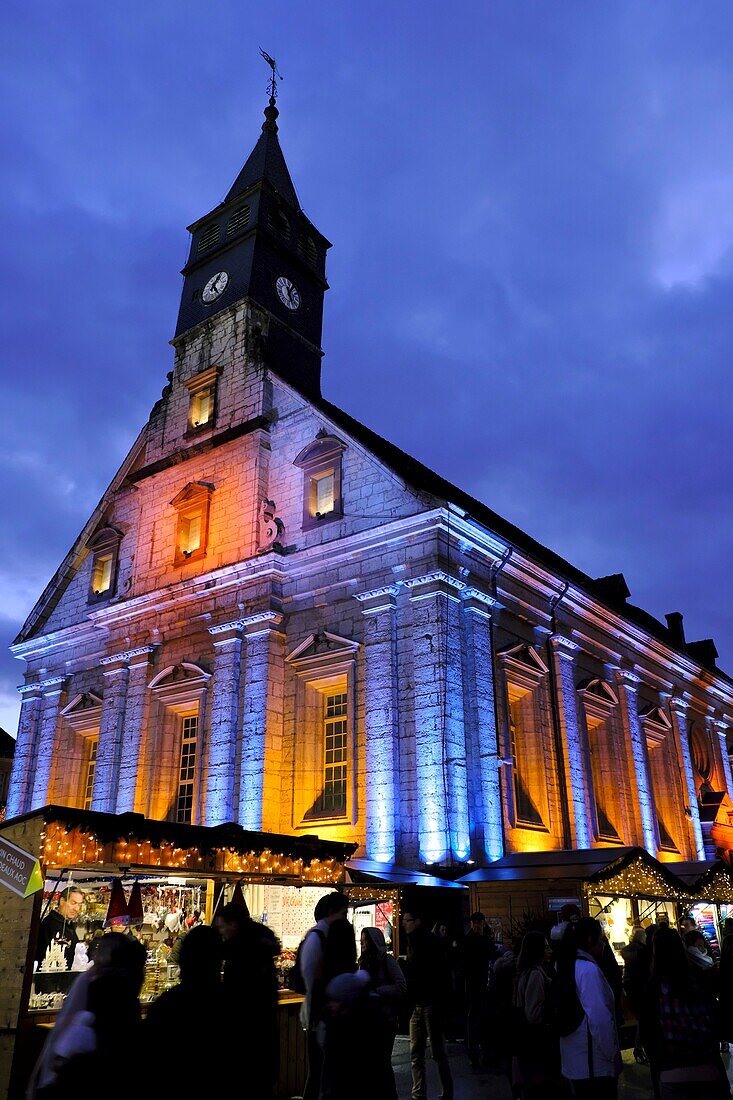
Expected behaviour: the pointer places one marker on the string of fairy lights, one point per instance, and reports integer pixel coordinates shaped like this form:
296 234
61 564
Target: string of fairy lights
65 847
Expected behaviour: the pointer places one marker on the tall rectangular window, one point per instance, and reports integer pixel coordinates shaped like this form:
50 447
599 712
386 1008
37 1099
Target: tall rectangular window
90 768
202 407
187 770
525 767
323 492
102 573
335 730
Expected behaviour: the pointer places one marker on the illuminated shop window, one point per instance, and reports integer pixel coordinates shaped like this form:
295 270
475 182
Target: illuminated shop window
104 549
187 769
321 462
90 768
192 505
202 390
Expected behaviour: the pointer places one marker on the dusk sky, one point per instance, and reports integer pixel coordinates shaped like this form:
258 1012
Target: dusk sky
531 206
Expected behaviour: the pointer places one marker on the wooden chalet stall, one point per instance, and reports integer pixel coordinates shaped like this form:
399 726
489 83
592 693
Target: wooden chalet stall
181 871
618 886
711 886
380 892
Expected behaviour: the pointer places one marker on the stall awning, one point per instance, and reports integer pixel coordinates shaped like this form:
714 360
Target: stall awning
616 870
390 874
74 837
710 880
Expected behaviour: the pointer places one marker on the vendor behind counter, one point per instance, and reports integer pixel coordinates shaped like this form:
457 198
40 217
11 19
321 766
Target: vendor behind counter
59 925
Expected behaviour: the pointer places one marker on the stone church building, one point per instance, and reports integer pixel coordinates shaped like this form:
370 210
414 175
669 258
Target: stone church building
276 617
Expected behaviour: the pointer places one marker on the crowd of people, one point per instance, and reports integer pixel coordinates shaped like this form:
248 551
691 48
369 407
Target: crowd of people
547 1014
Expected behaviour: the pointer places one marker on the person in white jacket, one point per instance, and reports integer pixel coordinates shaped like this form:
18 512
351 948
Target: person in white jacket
590 1055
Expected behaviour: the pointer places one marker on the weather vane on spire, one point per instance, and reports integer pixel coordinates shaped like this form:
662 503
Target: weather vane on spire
275 75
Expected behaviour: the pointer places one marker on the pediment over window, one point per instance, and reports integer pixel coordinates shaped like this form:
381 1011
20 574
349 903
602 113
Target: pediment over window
104 537
599 700
324 448
84 712
181 685
657 724
192 493
523 665
322 649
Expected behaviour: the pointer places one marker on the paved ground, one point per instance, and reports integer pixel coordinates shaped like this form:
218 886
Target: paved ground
486 1086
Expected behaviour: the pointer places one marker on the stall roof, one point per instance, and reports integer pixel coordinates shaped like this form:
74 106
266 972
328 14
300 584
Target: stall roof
390 874
109 828
576 863
693 871
592 865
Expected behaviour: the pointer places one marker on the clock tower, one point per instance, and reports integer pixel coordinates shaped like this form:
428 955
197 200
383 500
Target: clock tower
258 245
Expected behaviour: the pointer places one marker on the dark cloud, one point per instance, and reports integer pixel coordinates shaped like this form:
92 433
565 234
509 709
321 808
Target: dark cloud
532 273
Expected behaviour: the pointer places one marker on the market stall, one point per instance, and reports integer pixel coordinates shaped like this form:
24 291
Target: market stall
618 886
380 892
711 884
173 876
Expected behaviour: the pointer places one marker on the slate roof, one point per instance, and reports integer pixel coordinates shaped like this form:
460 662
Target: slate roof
266 162
421 477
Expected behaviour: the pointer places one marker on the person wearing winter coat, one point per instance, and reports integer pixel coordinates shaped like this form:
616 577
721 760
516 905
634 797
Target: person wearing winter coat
97 1027
535 1066
679 1025
193 1007
635 978
427 989
590 1056
388 984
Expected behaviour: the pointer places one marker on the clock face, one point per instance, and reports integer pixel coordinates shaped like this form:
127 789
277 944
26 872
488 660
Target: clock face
287 292
216 285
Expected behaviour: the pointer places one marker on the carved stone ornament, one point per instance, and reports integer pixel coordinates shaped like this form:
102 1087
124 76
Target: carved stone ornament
271 527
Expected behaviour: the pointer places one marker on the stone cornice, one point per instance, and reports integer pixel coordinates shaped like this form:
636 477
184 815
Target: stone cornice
565 648
378 599
56 682
437 583
227 628
627 678
479 603
128 655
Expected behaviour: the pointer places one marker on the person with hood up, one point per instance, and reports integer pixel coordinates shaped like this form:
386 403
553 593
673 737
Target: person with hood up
388 984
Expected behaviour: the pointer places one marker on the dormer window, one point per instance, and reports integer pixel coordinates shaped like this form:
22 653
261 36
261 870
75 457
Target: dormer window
202 400
321 463
192 527
104 548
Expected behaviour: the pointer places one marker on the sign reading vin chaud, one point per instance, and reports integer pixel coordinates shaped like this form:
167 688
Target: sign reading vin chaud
19 871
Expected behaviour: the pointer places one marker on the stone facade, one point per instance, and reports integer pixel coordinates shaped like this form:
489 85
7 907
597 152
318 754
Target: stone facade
395 666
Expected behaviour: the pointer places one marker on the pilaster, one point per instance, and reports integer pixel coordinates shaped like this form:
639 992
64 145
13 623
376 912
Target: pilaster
135 698
109 748
481 732
678 711
719 731
380 716
19 792
578 783
262 723
440 743
45 740
628 683
222 748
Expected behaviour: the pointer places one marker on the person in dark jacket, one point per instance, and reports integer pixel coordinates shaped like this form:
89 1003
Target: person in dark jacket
477 951
428 990
387 983
97 1029
58 925
635 978
678 1024
193 1007
249 950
